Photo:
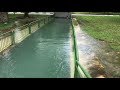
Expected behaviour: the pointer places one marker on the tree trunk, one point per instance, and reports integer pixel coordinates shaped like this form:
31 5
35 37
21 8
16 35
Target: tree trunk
26 14
3 17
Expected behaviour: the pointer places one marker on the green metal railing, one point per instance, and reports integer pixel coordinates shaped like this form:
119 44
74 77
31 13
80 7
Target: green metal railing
12 37
79 71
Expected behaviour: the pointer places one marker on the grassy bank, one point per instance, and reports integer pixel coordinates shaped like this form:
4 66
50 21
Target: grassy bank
20 19
98 13
102 28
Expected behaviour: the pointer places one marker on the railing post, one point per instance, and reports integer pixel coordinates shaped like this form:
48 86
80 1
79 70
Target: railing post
13 37
38 24
44 20
29 29
48 19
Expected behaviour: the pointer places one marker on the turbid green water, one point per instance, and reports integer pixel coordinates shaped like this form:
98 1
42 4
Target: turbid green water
44 54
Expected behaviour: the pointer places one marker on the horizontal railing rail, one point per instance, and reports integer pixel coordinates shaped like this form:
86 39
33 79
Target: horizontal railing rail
78 67
83 70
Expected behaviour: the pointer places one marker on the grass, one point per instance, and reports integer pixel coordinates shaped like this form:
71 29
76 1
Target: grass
102 28
4 26
98 13
18 17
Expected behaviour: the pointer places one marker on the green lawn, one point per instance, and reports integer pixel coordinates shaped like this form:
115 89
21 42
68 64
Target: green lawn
103 28
98 13
4 26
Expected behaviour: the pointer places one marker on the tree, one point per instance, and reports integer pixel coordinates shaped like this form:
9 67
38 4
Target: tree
3 17
14 13
26 14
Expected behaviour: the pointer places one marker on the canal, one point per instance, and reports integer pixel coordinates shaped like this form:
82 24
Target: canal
44 54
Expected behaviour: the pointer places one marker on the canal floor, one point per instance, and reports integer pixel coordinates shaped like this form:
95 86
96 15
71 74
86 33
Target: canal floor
44 54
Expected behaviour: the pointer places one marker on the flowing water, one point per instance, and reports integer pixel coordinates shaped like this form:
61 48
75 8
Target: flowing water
44 54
